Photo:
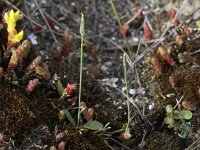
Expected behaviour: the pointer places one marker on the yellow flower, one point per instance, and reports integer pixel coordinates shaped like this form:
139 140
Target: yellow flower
15 37
11 18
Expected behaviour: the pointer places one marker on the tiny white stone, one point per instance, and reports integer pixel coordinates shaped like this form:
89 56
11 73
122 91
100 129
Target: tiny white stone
56 27
105 80
33 39
114 80
114 85
104 68
132 91
151 106
123 89
108 63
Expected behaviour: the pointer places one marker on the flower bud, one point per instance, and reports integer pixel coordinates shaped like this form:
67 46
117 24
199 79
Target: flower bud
124 29
156 64
179 40
147 32
32 85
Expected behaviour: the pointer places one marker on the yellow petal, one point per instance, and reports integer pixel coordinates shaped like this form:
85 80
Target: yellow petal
17 38
17 16
11 18
6 17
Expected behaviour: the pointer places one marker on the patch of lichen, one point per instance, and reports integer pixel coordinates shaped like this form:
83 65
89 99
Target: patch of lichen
166 141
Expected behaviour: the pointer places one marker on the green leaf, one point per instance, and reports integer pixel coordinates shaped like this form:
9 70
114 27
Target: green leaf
124 126
177 115
93 125
59 87
183 133
70 118
170 121
169 109
184 129
198 23
186 114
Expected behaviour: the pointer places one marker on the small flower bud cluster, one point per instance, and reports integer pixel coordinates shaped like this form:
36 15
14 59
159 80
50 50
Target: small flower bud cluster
18 54
70 89
147 32
87 112
32 85
165 55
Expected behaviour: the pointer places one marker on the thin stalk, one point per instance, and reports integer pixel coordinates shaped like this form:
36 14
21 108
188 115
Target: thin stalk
126 83
120 24
82 31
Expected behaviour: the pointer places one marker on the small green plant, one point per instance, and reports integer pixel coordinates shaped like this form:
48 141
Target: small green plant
179 120
82 31
90 125
125 135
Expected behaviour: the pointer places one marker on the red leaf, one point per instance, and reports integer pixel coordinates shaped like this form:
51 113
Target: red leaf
179 40
147 32
176 22
156 64
171 13
186 31
138 11
124 29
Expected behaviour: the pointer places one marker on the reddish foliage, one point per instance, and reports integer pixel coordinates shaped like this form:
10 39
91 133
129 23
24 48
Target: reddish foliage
186 31
171 13
125 135
124 30
65 50
169 59
138 11
179 40
165 55
1 70
176 22
38 28
50 22
32 85
94 53
156 64
34 64
70 89
147 32
62 145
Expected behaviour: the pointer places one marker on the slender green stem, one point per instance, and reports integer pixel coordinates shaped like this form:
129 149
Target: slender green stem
120 24
126 83
82 31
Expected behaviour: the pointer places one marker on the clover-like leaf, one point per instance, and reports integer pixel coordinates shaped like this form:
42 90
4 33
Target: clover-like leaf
170 121
93 125
184 129
186 114
169 109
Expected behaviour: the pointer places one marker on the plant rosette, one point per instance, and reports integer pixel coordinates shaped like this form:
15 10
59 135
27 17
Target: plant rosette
179 120
125 135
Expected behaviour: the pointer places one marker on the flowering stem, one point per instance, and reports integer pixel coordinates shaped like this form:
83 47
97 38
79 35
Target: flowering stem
126 83
120 24
82 31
